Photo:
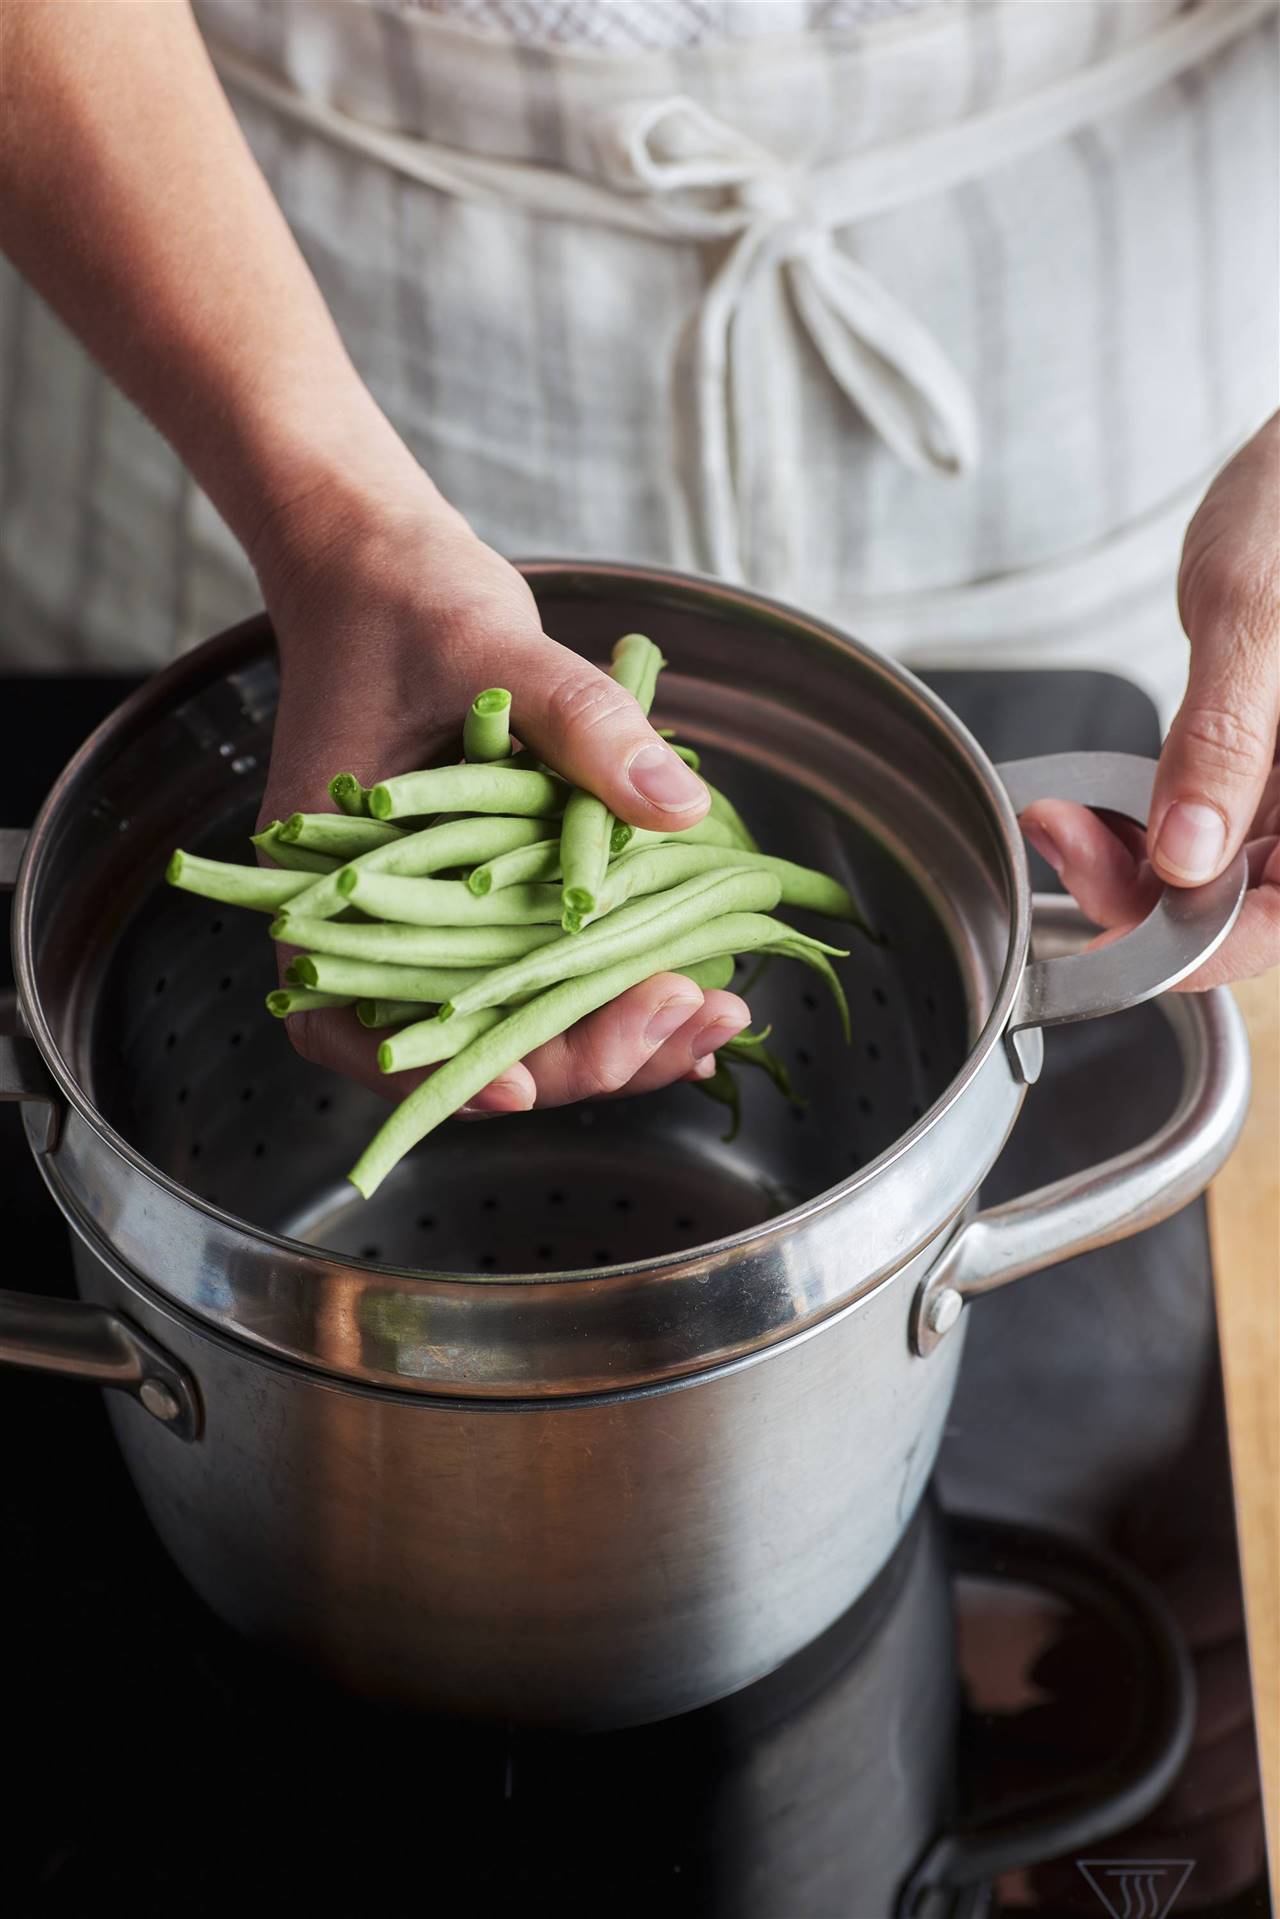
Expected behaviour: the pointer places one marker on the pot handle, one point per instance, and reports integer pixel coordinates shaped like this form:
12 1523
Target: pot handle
1083 1812
1183 928
1121 1196
75 1340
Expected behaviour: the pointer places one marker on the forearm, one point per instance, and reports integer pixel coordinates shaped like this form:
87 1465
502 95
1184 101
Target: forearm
129 199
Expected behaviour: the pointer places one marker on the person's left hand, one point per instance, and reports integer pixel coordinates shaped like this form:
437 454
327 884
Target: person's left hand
1218 787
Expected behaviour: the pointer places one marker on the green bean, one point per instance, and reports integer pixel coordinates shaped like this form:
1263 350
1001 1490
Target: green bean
430 1040
630 930
588 824
708 832
434 849
294 858
686 753
257 886
334 833
348 795
712 974
530 1026
656 867
536 862
297 999
636 663
414 945
447 902
369 979
486 734
749 1049
377 1013
470 789
723 808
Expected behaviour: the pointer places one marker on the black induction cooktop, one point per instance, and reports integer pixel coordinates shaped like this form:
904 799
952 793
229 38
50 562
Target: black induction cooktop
159 1765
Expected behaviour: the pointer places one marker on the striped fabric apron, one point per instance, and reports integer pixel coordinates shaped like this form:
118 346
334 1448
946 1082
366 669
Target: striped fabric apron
937 328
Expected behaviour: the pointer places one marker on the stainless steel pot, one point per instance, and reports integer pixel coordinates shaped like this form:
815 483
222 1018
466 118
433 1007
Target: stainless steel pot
587 1418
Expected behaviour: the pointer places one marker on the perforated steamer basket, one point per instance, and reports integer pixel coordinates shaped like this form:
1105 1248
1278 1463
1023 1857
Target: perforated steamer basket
587 1416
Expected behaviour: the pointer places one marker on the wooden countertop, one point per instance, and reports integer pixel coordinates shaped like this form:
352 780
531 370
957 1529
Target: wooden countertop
1244 1222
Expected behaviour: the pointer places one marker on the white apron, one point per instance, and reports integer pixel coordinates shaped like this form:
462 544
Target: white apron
937 327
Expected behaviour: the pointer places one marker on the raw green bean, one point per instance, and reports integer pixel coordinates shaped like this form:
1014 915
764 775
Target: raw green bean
295 859
377 1013
536 862
368 979
656 867
587 829
465 842
348 795
470 789
708 832
431 1040
712 974
401 945
447 902
686 753
723 808
636 663
297 999
486 734
530 1026
255 886
334 833
630 930
749 1049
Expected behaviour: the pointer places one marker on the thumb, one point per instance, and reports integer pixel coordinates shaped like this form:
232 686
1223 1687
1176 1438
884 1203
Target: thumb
1222 744
592 731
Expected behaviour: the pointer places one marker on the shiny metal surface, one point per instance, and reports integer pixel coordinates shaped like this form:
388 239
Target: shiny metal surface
1183 928
587 1418
1122 1195
73 1340
588 1562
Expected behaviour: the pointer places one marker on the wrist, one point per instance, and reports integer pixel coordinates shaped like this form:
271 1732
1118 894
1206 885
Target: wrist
323 502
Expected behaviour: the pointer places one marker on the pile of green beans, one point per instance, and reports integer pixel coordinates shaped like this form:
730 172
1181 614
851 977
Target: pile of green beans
471 912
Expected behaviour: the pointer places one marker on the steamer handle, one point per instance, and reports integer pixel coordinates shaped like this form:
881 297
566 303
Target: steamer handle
1186 924
74 1340
1083 1812
13 844
23 1073
1123 1195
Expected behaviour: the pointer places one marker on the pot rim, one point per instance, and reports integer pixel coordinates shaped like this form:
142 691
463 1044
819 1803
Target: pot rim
235 647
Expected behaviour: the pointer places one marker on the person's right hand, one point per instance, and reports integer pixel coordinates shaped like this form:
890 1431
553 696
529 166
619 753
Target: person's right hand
391 616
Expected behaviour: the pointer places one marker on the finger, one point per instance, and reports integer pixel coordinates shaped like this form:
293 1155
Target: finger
1222 744
1112 887
605 1051
335 1038
690 1052
590 729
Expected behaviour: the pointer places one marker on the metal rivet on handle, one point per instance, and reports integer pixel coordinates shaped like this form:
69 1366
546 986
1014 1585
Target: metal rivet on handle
160 1400
943 1310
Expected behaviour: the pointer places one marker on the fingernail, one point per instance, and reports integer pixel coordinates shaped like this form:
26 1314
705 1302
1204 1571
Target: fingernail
1045 846
511 1097
703 1069
669 1018
662 779
1191 840
720 1030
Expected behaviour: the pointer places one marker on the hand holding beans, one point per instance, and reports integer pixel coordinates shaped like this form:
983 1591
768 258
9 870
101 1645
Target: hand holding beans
484 976
390 616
